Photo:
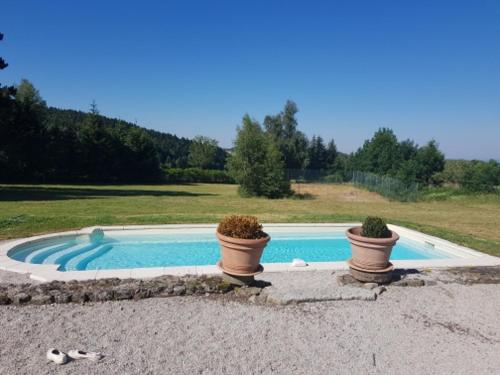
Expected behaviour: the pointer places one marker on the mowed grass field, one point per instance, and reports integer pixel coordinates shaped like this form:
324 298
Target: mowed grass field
25 210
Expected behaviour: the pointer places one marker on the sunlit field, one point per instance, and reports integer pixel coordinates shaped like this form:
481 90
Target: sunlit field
25 210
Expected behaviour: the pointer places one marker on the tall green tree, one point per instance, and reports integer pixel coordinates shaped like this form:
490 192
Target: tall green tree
291 142
203 152
63 154
407 168
28 95
99 150
21 137
275 183
257 163
247 163
331 156
317 154
384 155
380 154
429 160
142 162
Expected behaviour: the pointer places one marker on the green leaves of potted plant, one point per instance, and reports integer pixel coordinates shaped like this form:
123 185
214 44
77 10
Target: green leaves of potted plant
242 242
371 244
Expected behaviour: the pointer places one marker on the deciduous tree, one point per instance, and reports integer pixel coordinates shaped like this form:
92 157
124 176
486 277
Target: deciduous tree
203 152
291 142
257 163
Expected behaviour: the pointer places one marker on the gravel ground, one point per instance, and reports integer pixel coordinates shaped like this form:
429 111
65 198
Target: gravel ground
440 329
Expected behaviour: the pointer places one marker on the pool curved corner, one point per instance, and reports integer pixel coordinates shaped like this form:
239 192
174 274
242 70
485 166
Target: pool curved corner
42 249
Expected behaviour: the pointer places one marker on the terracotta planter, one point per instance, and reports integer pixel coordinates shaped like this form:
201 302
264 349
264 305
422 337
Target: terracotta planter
370 253
240 256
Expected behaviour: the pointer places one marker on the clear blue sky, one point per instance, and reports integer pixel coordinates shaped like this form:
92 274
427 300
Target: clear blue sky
427 69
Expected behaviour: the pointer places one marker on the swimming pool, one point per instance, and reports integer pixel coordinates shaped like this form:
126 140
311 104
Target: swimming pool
141 250
194 249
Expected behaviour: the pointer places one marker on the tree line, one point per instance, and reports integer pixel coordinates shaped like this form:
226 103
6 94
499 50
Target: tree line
45 144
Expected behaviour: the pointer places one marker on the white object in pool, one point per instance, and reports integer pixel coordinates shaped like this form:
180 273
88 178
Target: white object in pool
299 263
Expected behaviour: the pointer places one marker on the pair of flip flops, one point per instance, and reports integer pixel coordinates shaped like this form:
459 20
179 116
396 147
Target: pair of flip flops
61 358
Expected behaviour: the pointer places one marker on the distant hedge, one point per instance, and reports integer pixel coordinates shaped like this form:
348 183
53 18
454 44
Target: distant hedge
471 175
196 175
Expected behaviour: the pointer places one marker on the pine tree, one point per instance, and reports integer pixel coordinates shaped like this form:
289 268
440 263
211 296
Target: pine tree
331 156
317 154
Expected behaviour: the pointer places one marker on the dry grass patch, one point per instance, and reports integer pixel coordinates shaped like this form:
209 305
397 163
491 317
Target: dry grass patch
338 193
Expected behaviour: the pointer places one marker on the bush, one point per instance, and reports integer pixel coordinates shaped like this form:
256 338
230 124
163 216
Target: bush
473 176
335 178
241 226
172 175
480 177
375 227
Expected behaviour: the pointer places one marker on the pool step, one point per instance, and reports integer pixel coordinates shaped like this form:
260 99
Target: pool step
80 262
23 254
63 259
50 257
38 256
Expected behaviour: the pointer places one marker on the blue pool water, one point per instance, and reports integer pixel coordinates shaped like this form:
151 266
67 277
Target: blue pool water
167 250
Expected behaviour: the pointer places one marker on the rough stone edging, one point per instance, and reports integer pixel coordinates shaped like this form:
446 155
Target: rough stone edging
110 289
168 286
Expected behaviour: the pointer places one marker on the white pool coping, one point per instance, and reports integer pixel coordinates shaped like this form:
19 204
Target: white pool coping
462 256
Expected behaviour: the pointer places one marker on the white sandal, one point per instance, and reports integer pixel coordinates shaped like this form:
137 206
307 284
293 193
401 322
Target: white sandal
57 356
80 354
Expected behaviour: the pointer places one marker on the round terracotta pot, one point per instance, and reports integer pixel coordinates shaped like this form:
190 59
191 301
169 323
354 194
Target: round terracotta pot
370 253
240 256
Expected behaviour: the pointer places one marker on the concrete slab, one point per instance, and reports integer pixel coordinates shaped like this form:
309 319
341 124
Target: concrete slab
313 286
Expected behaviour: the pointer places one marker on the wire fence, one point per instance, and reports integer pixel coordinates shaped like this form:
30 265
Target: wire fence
308 175
389 187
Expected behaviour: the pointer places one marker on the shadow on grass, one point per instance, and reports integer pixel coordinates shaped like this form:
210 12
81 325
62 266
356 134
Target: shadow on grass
36 193
302 196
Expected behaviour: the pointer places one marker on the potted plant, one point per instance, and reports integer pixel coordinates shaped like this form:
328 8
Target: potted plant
371 244
242 242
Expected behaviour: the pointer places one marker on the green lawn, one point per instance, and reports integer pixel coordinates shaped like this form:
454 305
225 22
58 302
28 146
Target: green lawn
473 221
